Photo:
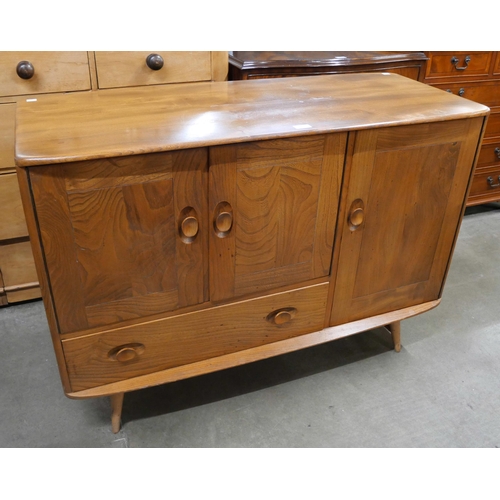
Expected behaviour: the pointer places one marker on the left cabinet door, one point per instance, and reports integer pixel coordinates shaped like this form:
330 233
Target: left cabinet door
123 238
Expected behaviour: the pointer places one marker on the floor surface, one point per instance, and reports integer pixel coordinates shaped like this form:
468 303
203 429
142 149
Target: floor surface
441 391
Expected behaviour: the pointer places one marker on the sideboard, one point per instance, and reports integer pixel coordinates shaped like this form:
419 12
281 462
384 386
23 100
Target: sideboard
183 229
32 75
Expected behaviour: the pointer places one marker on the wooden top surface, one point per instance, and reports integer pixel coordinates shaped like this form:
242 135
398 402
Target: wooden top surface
283 59
106 123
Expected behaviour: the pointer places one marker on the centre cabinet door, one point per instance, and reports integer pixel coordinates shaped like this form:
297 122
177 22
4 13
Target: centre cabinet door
273 209
406 187
124 238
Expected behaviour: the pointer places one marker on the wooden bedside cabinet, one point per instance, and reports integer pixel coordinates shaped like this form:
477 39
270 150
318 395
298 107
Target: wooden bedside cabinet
245 220
36 75
474 75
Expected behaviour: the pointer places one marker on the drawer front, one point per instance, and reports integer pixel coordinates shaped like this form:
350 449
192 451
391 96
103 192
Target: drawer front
7 130
149 347
487 93
52 72
458 64
129 69
496 67
485 185
12 221
489 155
18 272
493 126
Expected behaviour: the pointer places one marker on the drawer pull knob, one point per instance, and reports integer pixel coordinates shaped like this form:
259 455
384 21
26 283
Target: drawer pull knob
189 227
154 62
455 60
489 180
25 70
126 353
223 219
282 316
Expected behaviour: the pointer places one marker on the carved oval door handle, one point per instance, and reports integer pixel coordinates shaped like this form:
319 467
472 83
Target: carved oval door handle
154 62
190 226
282 316
223 219
126 353
25 70
356 215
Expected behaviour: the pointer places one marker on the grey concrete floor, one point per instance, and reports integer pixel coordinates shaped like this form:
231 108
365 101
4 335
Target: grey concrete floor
441 391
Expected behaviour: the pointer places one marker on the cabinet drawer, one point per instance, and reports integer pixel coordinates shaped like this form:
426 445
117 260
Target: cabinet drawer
485 185
18 272
128 69
493 126
52 72
487 93
489 155
12 222
157 345
7 130
458 64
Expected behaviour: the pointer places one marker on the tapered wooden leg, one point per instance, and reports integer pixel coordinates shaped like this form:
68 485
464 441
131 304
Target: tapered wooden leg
116 411
395 329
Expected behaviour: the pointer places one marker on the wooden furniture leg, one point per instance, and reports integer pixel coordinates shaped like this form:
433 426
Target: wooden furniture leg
395 329
116 411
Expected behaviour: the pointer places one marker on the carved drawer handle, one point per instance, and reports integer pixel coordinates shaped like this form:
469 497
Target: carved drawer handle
356 214
154 62
126 353
454 61
25 70
223 219
282 316
188 225
489 180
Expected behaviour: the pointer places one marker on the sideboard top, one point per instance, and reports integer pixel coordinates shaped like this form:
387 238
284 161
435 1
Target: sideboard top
90 125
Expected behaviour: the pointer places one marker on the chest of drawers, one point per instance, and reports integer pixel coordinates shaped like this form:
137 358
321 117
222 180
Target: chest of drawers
474 75
35 75
180 230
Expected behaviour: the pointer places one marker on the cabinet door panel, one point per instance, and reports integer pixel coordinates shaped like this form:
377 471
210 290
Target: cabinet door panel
113 239
281 199
408 184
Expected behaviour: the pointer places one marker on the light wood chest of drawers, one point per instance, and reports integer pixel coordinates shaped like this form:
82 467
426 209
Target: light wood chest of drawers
474 75
35 75
179 230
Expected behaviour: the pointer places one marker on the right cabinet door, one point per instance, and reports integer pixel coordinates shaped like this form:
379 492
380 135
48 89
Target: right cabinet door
405 195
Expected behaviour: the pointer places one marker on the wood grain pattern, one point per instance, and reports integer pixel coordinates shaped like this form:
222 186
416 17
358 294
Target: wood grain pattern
7 131
192 337
12 222
132 121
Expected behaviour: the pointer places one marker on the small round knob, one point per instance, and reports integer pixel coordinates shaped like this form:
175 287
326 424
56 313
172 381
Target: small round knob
357 216
25 70
154 62
224 222
189 227
126 354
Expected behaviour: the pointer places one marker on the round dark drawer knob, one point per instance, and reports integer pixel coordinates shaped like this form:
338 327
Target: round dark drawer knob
25 70
154 61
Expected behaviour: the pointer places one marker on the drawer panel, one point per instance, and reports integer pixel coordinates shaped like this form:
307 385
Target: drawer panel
496 68
7 130
485 185
454 64
489 155
53 72
127 352
487 93
12 221
128 69
18 272
493 126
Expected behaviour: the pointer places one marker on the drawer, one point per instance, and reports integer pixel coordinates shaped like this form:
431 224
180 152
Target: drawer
52 72
129 69
18 272
493 126
127 352
489 155
487 92
496 67
485 186
458 64
7 130
12 221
